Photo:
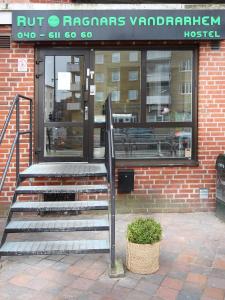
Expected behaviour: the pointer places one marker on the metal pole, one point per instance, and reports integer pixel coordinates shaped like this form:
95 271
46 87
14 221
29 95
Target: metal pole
18 138
111 158
113 219
30 140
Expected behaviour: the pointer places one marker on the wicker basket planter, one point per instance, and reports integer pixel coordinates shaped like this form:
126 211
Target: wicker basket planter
143 245
143 258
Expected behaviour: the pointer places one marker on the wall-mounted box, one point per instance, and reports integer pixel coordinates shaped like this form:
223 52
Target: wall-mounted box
125 181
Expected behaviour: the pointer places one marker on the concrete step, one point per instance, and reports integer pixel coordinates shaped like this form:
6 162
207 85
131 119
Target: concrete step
56 206
62 189
58 225
69 169
54 247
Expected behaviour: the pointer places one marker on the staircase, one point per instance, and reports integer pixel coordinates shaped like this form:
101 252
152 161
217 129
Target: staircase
35 224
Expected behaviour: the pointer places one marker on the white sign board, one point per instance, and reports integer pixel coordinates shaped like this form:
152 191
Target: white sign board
64 80
22 64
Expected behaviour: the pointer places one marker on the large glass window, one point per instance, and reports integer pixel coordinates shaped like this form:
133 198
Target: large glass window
120 71
169 86
152 101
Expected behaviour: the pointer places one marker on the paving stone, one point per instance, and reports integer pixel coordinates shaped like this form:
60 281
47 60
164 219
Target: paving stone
193 287
172 283
44 263
119 292
82 284
81 266
39 283
127 282
72 258
26 296
137 295
214 293
217 273
33 270
188 295
219 263
216 282
196 278
145 286
204 261
178 274
21 280
221 250
89 296
30 260
203 270
190 291
183 259
44 295
153 278
102 288
12 291
95 271
55 257
60 266
167 293
69 293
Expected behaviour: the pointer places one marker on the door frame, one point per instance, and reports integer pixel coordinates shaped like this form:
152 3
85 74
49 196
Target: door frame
40 97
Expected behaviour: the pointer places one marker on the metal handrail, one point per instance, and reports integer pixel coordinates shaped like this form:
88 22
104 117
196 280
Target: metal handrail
16 142
110 163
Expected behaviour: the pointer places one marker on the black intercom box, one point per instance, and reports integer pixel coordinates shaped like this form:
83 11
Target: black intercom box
125 181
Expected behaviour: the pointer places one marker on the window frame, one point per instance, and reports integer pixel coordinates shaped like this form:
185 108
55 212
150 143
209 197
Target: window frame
135 162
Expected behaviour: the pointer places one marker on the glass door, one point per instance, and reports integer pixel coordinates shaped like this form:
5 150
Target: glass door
63 105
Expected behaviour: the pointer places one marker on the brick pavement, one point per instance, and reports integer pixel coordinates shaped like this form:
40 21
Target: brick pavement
192 266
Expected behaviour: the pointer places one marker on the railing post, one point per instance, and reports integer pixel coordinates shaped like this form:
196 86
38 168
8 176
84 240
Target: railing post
18 138
30 138
110 161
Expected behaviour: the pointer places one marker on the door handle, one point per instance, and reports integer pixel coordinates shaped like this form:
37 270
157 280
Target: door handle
87 84
86 113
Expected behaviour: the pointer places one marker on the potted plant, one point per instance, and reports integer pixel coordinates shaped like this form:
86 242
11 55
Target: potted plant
143 243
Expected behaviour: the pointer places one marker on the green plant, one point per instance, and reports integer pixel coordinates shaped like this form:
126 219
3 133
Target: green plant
144 231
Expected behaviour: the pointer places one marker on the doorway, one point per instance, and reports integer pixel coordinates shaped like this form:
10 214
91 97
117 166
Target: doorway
63 94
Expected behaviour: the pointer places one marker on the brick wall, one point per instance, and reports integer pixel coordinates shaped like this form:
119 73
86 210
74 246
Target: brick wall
156 188
11 83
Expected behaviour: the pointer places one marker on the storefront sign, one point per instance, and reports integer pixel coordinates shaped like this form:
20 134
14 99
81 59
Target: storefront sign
118 25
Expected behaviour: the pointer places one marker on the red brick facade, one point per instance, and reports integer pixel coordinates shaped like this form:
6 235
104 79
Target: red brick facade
172 189
11 83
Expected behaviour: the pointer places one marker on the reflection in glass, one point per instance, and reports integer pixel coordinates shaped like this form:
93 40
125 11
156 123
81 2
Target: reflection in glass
99 77
64 93
99 96
116 57
115 96
64 77
119 80
147 143
63 141
133 56
99 143
115 76
133 75
169 86
99 58
132 94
